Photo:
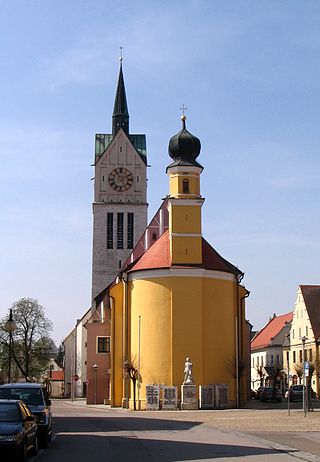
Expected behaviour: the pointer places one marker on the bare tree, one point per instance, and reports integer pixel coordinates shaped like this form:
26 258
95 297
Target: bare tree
31 344
131 371
261 373
298 367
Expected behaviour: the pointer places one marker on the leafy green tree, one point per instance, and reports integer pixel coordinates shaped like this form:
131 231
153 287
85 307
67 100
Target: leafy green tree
59 357
31 344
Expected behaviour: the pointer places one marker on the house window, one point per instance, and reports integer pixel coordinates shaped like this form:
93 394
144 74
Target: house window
257 361
294 357
292 333
185 186
119 230
300 356
299 332
130 231
103 344
307 331
288 357
278 359
252 362
261 361
310 354
271 360
110 231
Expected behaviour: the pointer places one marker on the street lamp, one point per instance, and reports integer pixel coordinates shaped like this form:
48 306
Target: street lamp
95 368
10 327
288 366
303 340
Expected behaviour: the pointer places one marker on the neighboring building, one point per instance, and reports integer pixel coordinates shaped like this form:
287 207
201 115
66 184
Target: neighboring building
55 380
120 194
75 359
267 350
179 299
305 336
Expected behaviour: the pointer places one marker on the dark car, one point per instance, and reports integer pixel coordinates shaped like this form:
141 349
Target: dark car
271 394
295 393
36 397
18 430
258 392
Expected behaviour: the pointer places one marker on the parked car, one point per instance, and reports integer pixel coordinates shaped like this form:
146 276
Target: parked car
271 394
36 397
18 430
295 393
258 392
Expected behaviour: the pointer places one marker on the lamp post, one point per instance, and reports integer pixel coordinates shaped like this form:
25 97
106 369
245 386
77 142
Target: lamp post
288 367
10 327
95 368
303 340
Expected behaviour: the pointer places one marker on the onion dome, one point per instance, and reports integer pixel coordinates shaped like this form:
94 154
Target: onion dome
184 147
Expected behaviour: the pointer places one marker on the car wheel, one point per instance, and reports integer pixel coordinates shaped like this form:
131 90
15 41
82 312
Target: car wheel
44 442
22 454
34 450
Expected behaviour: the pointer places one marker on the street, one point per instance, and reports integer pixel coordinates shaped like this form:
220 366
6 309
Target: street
95 434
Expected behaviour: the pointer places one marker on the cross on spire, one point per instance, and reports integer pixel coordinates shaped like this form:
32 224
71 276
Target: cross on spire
121 56
183 108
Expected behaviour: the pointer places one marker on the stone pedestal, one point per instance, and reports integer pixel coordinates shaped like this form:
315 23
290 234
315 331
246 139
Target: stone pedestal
152 397
207 396
189 399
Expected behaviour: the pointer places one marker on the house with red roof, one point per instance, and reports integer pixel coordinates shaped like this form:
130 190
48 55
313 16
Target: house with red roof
304 340
267 349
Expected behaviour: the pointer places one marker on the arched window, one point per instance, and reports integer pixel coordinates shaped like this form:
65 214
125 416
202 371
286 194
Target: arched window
185 186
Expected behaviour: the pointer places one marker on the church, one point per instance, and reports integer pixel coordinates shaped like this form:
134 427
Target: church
161 293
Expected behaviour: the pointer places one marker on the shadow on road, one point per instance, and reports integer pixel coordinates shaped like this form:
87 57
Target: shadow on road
114 424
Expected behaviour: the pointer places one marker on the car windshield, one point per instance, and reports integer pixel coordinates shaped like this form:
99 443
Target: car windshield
31 396
9 412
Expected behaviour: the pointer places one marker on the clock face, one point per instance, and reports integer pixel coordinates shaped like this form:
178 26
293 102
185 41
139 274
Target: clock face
120 179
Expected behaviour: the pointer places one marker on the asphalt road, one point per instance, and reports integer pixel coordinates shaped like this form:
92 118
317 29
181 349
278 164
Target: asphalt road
92 434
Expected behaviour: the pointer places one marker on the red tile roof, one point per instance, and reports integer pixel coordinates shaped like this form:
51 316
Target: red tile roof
158 256
264 337
311 296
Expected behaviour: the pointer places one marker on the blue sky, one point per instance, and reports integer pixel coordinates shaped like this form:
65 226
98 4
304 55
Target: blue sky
247 71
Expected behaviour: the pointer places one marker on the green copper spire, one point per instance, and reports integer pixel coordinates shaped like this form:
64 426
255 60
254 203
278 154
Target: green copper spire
120 116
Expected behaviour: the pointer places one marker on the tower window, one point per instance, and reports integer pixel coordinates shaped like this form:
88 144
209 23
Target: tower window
119 230
110 231
130 231
185 186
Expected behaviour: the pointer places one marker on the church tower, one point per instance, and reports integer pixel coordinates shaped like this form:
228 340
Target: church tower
185 202
120 193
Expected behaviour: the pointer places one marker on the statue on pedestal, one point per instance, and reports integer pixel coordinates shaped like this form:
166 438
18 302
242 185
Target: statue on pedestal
188 372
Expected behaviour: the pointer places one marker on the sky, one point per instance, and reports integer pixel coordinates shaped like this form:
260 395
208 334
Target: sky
249 74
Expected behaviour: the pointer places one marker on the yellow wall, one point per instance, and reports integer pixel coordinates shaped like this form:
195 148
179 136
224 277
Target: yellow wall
117 359
202 326
176 184
186 249
185 219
